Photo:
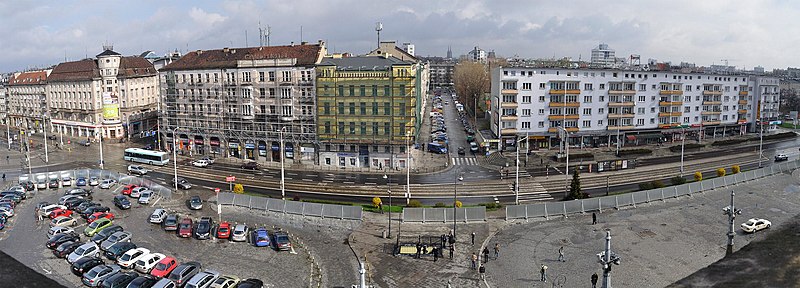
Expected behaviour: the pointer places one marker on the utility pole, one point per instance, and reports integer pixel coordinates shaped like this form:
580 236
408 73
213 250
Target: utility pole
683 142
44 127
389 191
283 171
408 168
606 258
731 211
175 158
101 150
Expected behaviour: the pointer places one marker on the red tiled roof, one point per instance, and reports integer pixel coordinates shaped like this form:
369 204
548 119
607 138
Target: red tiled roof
28 78
86 69
135 66
227 58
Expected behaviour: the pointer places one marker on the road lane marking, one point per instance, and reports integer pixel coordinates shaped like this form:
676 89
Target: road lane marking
308 180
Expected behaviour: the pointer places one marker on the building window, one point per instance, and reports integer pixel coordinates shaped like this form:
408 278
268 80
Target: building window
642 98
327 127
587 111
587 99
352 108
541 98
601 111
541 124
352 128
363 108
639 122
526 125
341 108
640 110
586 123
375 130
526 99
526 112
587 86
261 77
375 108
387 108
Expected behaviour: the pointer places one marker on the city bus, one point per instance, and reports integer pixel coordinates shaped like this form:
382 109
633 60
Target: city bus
146 156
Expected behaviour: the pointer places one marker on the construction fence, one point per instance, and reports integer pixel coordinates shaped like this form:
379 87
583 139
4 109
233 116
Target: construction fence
290 207
444 215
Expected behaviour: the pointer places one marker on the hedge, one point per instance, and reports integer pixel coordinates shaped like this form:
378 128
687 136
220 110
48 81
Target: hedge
577 157
634 152
777 136
728 142
689 146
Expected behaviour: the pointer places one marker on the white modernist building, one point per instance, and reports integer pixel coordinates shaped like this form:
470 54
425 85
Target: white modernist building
600 107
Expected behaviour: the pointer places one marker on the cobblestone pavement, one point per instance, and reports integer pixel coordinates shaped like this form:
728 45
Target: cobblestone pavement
659 243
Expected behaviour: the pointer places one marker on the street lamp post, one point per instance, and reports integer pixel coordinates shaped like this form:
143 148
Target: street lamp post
101 150
731 211
8 132
389 191
606 258
44 127
283 171
408 169
458 177
683 142
175 155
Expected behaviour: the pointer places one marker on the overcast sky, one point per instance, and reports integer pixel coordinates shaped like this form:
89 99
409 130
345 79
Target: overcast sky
746 33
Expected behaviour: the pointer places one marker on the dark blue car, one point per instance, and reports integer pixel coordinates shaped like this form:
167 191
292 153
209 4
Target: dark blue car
80 182
261 237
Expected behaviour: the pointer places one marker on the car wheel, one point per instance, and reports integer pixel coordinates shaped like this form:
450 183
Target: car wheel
768 225
150 162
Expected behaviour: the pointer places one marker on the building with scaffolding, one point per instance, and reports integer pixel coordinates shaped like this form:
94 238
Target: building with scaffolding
368 111
241 102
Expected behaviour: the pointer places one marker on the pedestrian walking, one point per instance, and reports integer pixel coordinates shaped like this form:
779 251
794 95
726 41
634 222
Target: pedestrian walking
543 271
594 280
419 250
473 233
594 218
485 254
7 161
451 252
4 177
474 260
561 254
482 270
380 207
435 254
496 250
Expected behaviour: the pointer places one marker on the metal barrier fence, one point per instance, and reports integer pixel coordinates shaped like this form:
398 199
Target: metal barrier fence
444 215
122 179
565 208
290 207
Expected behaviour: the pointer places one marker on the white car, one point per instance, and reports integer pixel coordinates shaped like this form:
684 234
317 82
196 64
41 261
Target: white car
89 249
146 263
56 230
754 225
145 197
46 210
66 181
208 159
6 212
41 184
93 181
136 169
200 163
158 216
128 259
62 221
239 233
137 192
107 183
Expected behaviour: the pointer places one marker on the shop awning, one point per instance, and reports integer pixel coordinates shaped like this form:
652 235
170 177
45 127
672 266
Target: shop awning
631 137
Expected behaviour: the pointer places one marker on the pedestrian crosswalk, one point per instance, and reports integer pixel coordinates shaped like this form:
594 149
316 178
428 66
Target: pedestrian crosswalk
464 161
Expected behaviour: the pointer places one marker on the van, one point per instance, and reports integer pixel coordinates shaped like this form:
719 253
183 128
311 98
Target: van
437 148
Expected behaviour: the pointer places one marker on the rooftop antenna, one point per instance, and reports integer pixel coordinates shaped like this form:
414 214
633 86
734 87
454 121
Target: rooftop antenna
269 31
378 28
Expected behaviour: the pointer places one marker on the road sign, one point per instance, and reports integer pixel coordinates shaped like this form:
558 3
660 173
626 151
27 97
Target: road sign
216 190
230 178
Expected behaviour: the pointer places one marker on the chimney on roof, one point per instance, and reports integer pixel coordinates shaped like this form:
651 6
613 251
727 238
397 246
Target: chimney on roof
199 52
226 50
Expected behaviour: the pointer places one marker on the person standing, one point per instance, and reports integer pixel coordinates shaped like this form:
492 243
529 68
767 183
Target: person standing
482 271
594 280
473 234
435 254
485 254
543 271
474 260
561 254
594 218
496 250
451 252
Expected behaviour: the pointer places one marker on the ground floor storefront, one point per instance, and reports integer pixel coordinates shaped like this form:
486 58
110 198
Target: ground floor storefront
262 150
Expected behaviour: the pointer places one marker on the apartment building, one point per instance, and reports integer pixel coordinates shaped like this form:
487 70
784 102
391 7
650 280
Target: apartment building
26 98
111 95
3 99
241 102
367 109
600 107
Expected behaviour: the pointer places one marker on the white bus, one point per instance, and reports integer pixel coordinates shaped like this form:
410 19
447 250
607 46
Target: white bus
146 156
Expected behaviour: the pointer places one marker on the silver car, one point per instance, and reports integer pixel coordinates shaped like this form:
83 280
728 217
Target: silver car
107 183
121 236
95 277
203 279
239 233
86 250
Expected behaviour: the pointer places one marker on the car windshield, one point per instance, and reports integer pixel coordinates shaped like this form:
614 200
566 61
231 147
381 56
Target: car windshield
262 237
282 238
223 229
94 224
79 251
202 226
185 225
140 263
161 266
751 222
126 257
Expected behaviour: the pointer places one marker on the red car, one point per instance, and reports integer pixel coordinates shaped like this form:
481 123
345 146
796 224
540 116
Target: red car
99 215
185 228
164 267
60 212
224 230
128 189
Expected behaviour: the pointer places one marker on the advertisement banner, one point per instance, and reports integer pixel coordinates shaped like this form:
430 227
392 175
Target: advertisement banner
110 106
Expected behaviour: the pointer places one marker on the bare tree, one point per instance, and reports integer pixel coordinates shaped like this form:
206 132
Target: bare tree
471 80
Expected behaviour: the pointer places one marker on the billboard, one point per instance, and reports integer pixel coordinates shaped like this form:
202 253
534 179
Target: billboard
110 106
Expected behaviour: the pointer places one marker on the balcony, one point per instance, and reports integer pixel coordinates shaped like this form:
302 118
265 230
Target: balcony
712 102
562 104
509 104
669 114
562 117
743 93
742 102
670 92
569 129
509 91
714 122
621 104
562 91
509 118
615 128
617 116
617 92
670 103
508 131
741 111
711 93
710 112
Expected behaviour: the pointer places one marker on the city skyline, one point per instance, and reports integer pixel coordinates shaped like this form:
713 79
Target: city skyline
743 35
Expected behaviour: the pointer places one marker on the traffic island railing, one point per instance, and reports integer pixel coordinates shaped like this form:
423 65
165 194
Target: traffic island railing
444 215
122 179
598 204
291 207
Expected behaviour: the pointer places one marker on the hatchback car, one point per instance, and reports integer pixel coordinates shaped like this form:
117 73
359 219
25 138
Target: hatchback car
96 226
136 169
128 189
99 215
96 275
184 272
251 283
142 282
260 237
65 248
119 280
60 213
94 209
239 233
63 222
61 238
203 229
164 267
57 230
93 181
250 166
280 240
202 279
461 151
170 223
66 181
79 192
85 264
781 157
80 181
107 183
88 249
129 258
185 228
226 281
116 250
195 203
144 199
158 216
208 159
137 192
224 230
183 183
122 202
754 225
165 283
103 235
117 237
146 263
200 163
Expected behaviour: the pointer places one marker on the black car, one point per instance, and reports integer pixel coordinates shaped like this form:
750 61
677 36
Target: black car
183 184
65 248
73 203
28 185
461 151
80 192
280 240
53 184
122 202
85 264
203 229
103 234
85 205
13 197
118 249
21 195
170 223
119 280
61 238
91 210
251 283
142 282
250 166
195 203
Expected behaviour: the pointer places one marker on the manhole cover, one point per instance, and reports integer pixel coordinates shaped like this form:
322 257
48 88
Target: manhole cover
646 233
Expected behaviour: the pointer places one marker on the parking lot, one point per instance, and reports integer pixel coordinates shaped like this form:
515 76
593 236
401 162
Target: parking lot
24 239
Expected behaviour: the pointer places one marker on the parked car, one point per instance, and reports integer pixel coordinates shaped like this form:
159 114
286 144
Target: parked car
144 199
170 223
250 166
93 181
53 184
202 279
103 235
107 183
45 210
116 237
136 169
61 238
66 181
6 212
84 265
96 226
65 248
158 216
129 258
251 283
239 233
56 230
119 280
184 272
208 159
79 192
95 276
164 267
128 189
473 147
165 283
185 228
195 203
88 249
116 250
142 282
60 213
146 263
81 181
99 215
224 230
754 225
85 205
94 209
63 221
280 241
200 163
260 237
3 221
183 184
122 202
226 281
781 157
137 192
203 229
64 198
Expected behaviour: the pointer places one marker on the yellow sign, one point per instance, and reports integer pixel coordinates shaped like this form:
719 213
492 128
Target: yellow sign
110 106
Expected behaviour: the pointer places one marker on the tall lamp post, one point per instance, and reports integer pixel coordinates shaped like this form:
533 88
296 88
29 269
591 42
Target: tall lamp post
101 149
44 128
283 155
606 258
731 211
389 190
683 143
175 155
408 169
458 177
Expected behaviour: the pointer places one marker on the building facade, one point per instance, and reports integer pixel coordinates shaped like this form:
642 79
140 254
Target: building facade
600 107
112 95
241 102
603 56
26 98
367 110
